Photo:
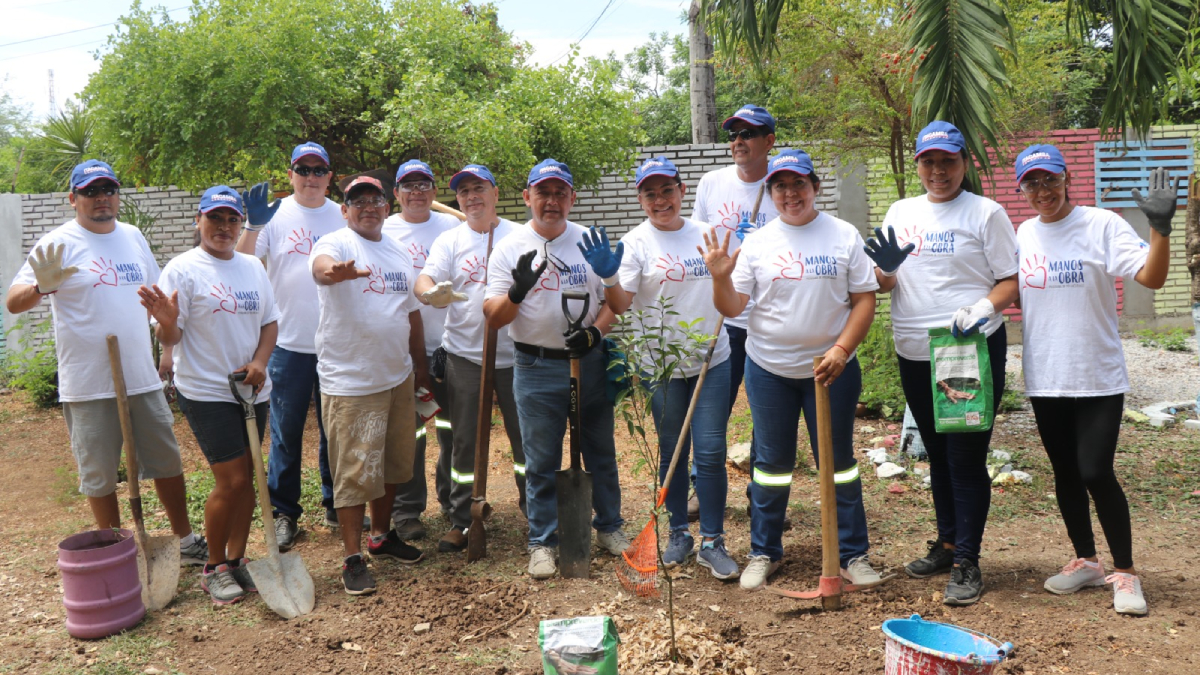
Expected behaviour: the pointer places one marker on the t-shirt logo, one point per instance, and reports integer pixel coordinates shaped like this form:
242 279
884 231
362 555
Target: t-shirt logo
1039 272
821 266
673 269
476 270
911 235
937 243
791 267
111 273
302 241
731 214
417 252
1033 272
385 283
234 301
559 273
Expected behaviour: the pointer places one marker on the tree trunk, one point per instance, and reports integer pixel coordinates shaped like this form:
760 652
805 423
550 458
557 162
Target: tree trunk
704 95
1192 232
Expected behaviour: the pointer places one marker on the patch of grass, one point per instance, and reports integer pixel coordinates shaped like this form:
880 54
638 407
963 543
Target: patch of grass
1170 339
31 364
65 490
881 390
1014 393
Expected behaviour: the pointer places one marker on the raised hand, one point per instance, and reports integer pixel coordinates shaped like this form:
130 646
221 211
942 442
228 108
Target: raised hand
442 295
164 308
716 257
525 278
258 211
886 252
48 268
594 246
1159 206
345 271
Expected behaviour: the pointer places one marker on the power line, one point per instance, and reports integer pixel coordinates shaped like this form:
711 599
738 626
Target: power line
47 51
585 33
77 30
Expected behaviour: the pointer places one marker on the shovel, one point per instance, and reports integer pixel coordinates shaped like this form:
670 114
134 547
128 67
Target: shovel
480 509
282 581
574 485
158 556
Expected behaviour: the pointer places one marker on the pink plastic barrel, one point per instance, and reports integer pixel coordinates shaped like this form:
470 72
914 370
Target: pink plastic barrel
101 590
915 646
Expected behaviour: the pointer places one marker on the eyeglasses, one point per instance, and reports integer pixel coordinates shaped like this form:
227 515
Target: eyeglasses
1052 182
421 186
367 202
745 134
650 196
306 171
91 191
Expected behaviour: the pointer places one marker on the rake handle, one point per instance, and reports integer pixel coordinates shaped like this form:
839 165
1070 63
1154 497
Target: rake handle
691 411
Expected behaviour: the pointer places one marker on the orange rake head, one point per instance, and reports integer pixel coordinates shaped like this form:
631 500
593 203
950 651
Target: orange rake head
638 567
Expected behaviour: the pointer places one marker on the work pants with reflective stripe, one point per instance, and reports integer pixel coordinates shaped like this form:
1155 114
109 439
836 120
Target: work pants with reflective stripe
775 405
412 497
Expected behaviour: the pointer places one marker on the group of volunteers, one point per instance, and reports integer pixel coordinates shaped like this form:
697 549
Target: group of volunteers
379 320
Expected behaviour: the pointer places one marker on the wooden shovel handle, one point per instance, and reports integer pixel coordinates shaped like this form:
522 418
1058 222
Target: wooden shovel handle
131 465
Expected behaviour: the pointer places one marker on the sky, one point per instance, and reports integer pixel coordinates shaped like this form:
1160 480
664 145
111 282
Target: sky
37 36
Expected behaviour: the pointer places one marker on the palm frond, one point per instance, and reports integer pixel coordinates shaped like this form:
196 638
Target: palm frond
748 23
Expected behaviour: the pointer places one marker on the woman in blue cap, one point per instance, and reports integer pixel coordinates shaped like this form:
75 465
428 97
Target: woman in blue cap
944 249
215 305
1074 368
814 295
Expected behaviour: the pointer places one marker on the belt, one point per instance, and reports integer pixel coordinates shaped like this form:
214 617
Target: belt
542 352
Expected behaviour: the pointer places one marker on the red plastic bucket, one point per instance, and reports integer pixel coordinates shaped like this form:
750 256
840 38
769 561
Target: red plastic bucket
101 591
919 647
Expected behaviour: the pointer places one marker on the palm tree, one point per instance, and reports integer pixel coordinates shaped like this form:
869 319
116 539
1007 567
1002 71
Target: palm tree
68 137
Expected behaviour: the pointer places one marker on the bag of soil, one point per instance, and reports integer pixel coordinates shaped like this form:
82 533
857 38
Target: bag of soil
962 382
585 645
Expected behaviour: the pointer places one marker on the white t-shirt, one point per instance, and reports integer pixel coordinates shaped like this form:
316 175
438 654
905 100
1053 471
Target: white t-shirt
97 301
540 320
1069 301
460 256
417 239
223 305
964 247
286 243
666 264
362 335
800 278
721 200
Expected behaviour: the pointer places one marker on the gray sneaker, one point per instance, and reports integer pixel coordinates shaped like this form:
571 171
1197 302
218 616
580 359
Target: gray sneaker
1127 594
759 568
220 584
679 547
859 572
714 556
614 542
242 576
285 531
194 554
541 562
1075 575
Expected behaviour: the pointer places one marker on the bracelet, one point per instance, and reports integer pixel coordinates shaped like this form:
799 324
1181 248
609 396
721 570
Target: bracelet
842 348
39 291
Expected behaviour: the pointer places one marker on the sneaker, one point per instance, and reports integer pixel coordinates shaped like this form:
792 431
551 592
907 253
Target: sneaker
859 572
356 578
541 562
1076 575
966 585
714 556
614 542
679 547
220 584
453 541
194 554
409 529
939 559
285 531
331 519
759 568
242 576
394 549
1127 593
693 507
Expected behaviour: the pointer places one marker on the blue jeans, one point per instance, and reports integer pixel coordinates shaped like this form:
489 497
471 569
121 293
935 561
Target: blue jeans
775 404
293 386
669 406
737 369
542 389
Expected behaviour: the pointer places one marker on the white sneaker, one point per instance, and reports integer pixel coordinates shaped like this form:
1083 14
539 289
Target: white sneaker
759 568
614 542
541 562
859 571
1127 593
1076 575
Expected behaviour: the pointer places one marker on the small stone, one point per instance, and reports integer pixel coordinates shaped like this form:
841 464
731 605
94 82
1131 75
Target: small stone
890 470
1001 456
152 671
739 456
927 480
897 488
422 628
1022 477
1191 424
866 430
1135 416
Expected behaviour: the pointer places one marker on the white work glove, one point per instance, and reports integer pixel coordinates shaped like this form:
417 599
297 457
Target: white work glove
442 295
48 268
967 320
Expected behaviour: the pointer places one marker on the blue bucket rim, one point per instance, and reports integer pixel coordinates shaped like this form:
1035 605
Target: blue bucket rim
1002 650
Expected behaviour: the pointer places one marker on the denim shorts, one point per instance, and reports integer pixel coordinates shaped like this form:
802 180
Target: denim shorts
220 427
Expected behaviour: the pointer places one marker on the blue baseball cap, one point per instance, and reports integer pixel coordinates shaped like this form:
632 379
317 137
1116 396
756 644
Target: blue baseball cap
796 161
476 170
90 171
308 148
751 114
655 166
221 197
413 166
550 168
940 136
1043 157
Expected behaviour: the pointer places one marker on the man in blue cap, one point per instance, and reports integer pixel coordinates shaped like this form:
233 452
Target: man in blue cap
92 267
283 235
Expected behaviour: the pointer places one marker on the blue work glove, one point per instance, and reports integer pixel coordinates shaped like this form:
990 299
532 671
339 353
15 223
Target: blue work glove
744 228
1160 205
258 211
605 263
887 254
967 320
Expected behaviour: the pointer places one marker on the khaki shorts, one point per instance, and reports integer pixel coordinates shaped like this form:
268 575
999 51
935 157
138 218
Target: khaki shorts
95 430
371 442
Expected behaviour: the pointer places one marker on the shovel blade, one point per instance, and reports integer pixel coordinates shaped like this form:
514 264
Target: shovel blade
574 490
158 570
284 584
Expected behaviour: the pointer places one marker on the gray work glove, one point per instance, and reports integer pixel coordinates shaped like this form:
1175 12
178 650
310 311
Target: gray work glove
48 268
1160 206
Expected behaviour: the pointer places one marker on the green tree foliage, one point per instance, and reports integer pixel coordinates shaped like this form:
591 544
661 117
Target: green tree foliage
225 93
14 130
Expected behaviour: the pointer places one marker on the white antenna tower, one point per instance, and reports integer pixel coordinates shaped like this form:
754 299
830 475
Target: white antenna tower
53 105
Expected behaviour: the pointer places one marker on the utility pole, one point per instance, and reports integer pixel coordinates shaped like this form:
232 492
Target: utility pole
704 96
53 105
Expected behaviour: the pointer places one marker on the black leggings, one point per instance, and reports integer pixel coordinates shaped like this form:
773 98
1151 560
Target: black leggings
1080 436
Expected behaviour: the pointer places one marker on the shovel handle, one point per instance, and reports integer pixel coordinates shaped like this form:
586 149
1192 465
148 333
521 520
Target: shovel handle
830 565
260 472
574 323
131 465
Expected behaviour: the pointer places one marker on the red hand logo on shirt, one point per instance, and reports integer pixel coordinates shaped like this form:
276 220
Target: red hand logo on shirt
375 281
674 268
301 241
790 267
731 215
911 235
1033 272
476 270
417 252
108 273
549 281
227 303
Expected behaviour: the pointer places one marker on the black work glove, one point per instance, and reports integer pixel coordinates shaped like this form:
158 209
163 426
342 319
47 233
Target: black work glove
525 278
1159 206
581 341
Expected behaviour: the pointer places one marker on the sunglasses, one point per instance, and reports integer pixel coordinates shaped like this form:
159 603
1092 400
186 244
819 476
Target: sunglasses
306 171
745 134
367 202
1049 182
92 191
421 186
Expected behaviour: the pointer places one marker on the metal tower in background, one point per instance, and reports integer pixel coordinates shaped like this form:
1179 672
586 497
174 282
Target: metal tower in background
53 105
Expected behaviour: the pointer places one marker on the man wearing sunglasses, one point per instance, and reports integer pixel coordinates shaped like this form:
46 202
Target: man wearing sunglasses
91 267
285 241
415 227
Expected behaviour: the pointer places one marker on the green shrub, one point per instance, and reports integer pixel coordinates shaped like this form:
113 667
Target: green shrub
881 391
33 366
1014 393
1170 339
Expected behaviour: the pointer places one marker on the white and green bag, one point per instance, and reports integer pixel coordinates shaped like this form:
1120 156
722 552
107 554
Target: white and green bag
585 645
962 382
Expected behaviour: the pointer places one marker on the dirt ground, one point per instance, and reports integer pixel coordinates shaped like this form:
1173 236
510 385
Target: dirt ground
484 616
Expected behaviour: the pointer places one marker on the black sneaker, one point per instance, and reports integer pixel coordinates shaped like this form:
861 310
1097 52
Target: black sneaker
939 559
966 585
356 578
391 547
285 531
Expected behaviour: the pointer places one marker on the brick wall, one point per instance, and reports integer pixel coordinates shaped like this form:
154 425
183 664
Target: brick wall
1175 296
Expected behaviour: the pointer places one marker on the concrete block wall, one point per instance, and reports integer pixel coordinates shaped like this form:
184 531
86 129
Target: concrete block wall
1175 297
